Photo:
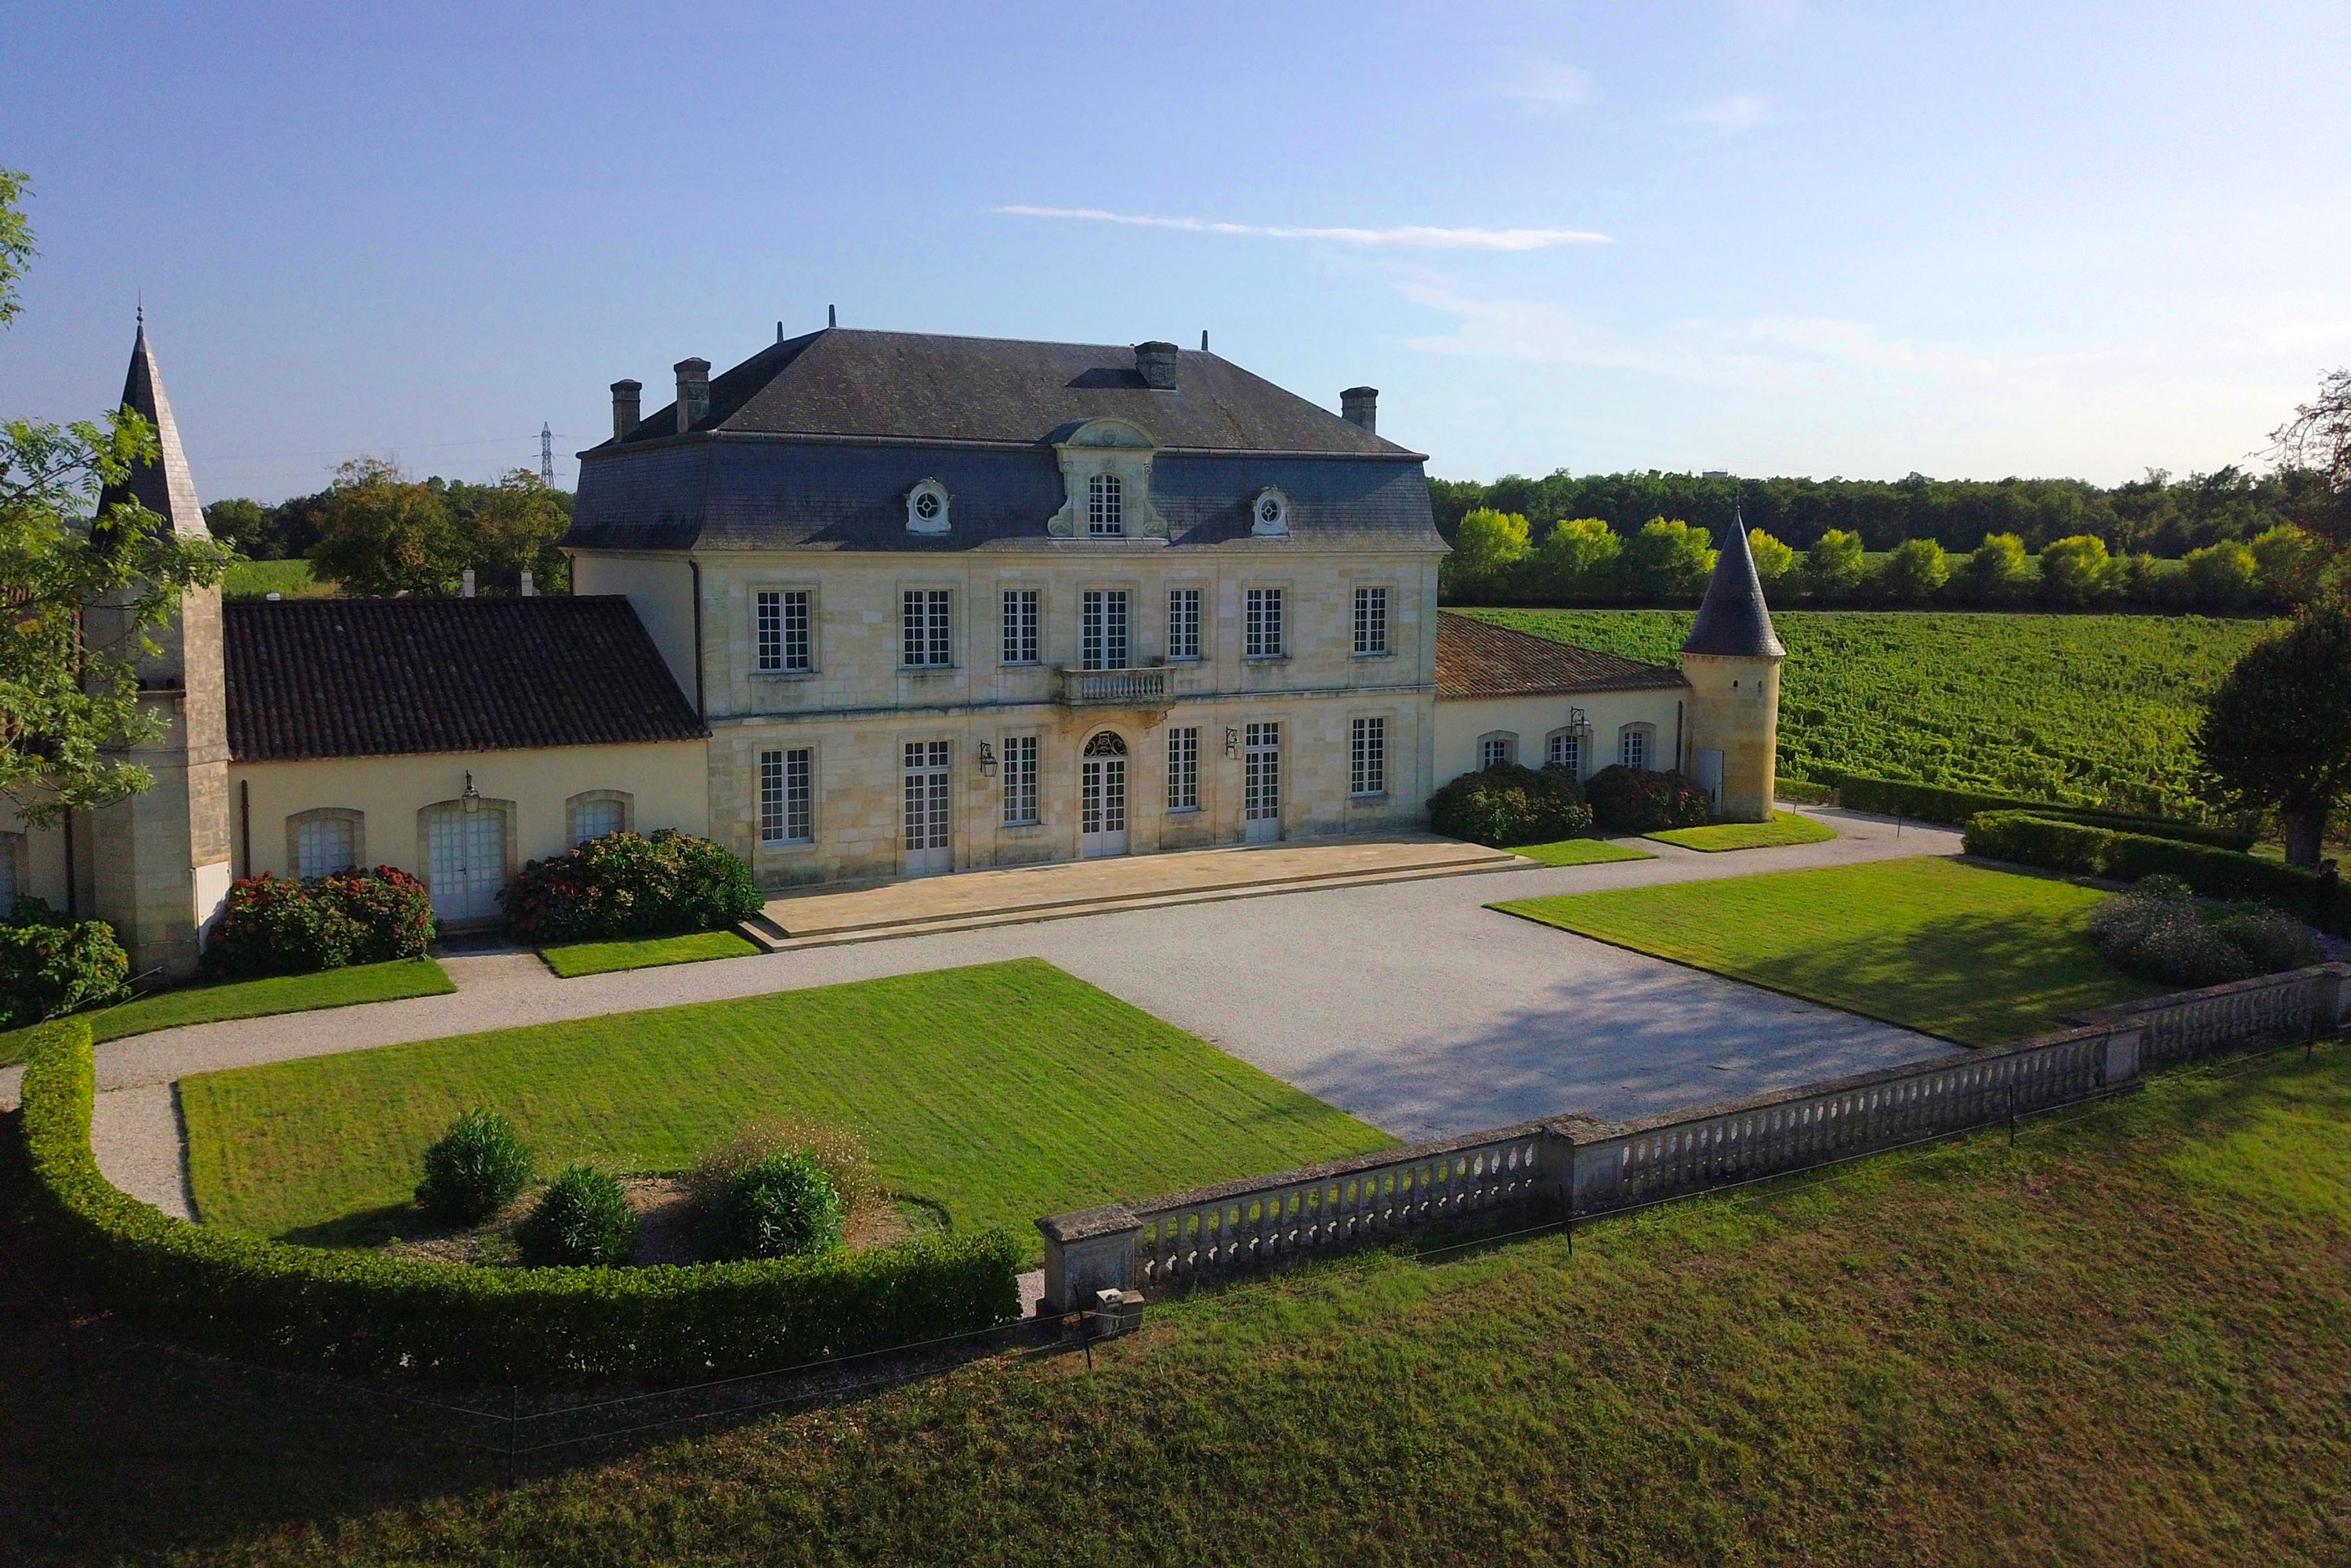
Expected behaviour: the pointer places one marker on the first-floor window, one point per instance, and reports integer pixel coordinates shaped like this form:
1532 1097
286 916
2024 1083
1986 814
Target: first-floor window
923 630
781 620
594 819
788 797
1565 750
1371 621
1261 627
1183 622
1495 750
1632 747
322 847
1019 780
1183 770
1020 625
1367 771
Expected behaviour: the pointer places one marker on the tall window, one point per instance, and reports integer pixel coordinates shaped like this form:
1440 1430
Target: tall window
1633 746
1262 626
1183 770
923 629
1102 628
323 846
1371 621
782 620
1183 622
1494 750
1019 780
1368 757
788 797
1020 625
1106 506
1565 750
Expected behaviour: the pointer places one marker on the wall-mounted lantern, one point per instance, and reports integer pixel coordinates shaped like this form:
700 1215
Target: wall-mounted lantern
472 798
986 759
1232 741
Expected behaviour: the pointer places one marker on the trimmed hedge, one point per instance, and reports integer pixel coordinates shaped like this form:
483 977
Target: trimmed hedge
1953 808
2030 840
364 1311
1508 804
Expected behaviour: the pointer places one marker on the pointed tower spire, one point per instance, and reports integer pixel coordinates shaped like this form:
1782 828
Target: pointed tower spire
1732 619
165 486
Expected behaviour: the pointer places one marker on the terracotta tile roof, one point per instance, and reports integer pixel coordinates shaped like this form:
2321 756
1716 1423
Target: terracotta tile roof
1475 659
379 678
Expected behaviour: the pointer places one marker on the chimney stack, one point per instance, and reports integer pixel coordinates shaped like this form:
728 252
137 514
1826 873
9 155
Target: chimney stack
625 403
1361 406
468 590
527 589
693 393
1155 362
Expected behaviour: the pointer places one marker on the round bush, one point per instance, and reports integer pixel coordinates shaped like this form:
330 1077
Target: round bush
624 886
583 1218
1507 804
474 1170
390 912
272 925
781 1207
49 964
2156 931
1639 800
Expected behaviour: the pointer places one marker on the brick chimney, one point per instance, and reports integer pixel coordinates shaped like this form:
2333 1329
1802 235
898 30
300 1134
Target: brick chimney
693 393
1155 362
1361 405
625 403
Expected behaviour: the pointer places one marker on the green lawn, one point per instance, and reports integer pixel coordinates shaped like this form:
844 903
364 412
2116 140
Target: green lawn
256 578
2118 1343
255 999
1000 1093
1975 955
1581 852
574 959
1784 828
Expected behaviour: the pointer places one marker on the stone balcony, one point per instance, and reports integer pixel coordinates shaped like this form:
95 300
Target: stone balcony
1146 686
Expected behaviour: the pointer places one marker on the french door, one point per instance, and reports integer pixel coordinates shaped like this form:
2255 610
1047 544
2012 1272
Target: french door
1101 796
1103 642
926 815
467 860
1262 783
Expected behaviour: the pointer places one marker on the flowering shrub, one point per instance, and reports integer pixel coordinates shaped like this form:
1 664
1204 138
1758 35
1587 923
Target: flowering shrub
275 925
1507 804
623 885
1636 800
50 965
2158 931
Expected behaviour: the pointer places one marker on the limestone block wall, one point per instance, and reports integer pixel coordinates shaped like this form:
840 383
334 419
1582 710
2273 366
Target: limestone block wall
1734 707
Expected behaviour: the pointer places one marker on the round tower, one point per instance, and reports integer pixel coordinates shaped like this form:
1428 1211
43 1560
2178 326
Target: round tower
1731 660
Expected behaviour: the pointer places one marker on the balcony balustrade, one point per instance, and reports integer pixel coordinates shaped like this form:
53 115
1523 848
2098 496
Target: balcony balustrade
1146 686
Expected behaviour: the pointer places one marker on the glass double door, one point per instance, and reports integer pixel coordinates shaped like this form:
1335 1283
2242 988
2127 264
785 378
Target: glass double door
1101 796
465 861
1262 783
924 817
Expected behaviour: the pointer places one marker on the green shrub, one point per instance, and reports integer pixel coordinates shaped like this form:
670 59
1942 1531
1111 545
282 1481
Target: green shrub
623 885
2156 931
50 966
1640 801
273 925
840 1153
472 1170
581 1219
364 1311
1508 804
1805 792
2030 840
1934 803
781 1207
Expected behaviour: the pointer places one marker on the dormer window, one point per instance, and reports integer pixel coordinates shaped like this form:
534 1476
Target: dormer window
1106 506
1271 516
926 509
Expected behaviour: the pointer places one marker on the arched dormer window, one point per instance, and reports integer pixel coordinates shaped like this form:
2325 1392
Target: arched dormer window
1270 517
1106 506
926 507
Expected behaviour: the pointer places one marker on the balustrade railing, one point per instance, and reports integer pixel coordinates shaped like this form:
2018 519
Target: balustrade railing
1142 686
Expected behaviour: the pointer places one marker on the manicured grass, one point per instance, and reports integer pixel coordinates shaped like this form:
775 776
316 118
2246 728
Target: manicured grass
257 579
574 959
1000 1093
1975 955
1581 852
258 998
2117 1343
1784 828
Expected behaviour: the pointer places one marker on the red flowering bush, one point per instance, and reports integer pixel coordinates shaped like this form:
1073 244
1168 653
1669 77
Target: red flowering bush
275 925
50 965
1636 800
624 886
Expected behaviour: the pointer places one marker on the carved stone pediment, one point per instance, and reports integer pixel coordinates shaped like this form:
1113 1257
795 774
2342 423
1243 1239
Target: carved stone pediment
1107 447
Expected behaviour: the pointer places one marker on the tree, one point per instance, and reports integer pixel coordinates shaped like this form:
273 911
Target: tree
242 525
1995 573
2288 562
69 707
1578 560
1916 570
1487 550
2221 576
2317 442
1773 561
1834 567
2077 570
381 532
2277 735
1667 561
505 530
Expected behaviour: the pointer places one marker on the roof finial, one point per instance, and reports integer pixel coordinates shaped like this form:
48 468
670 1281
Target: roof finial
142 296
831 318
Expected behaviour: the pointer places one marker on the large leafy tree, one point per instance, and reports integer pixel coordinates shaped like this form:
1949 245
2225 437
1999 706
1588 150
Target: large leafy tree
381 532
2276 735
67 705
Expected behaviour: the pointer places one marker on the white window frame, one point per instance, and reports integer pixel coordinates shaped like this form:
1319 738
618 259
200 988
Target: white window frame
787 800
783 643
1496 747
1569 739
1106 507
1184 623
1183 769
1021 797
1367 757
1105 624
1372 623
1263 633
929 490
1023 610
926 629
1637 746
355 819
624 803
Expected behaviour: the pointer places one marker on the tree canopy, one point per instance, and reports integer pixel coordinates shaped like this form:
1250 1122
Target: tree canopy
2277 735
376 531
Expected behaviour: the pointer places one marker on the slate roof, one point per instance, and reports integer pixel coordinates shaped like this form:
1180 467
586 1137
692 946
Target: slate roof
1732 619
923 386
1475 659
381 677
165 486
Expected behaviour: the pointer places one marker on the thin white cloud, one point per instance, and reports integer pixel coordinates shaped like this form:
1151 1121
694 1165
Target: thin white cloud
1411 238
1548 86
1741 112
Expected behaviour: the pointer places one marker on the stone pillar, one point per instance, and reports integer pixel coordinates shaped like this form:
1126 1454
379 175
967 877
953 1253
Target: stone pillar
1093 1250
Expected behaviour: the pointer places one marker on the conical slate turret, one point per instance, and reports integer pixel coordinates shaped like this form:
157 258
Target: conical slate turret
165 486
1732 619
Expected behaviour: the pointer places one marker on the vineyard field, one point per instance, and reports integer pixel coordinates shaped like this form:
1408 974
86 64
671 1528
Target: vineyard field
2093 709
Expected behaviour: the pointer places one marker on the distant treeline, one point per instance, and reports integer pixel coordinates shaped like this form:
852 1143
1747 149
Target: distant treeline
376 531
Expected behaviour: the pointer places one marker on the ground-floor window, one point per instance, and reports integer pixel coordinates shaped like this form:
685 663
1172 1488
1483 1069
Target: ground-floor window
1183 769
1565 750
788 797
1495 750
323 846
1261 779
1367 771
925 815
1019 780
1633 746
594 819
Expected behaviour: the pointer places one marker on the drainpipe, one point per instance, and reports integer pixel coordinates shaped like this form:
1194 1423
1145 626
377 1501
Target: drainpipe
245 820
1680 762
700 711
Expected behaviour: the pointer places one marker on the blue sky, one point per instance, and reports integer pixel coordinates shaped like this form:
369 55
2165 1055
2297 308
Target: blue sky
1778 237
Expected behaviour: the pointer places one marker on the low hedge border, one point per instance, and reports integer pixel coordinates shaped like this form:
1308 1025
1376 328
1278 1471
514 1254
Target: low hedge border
1954 808
356 1311
2056 845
